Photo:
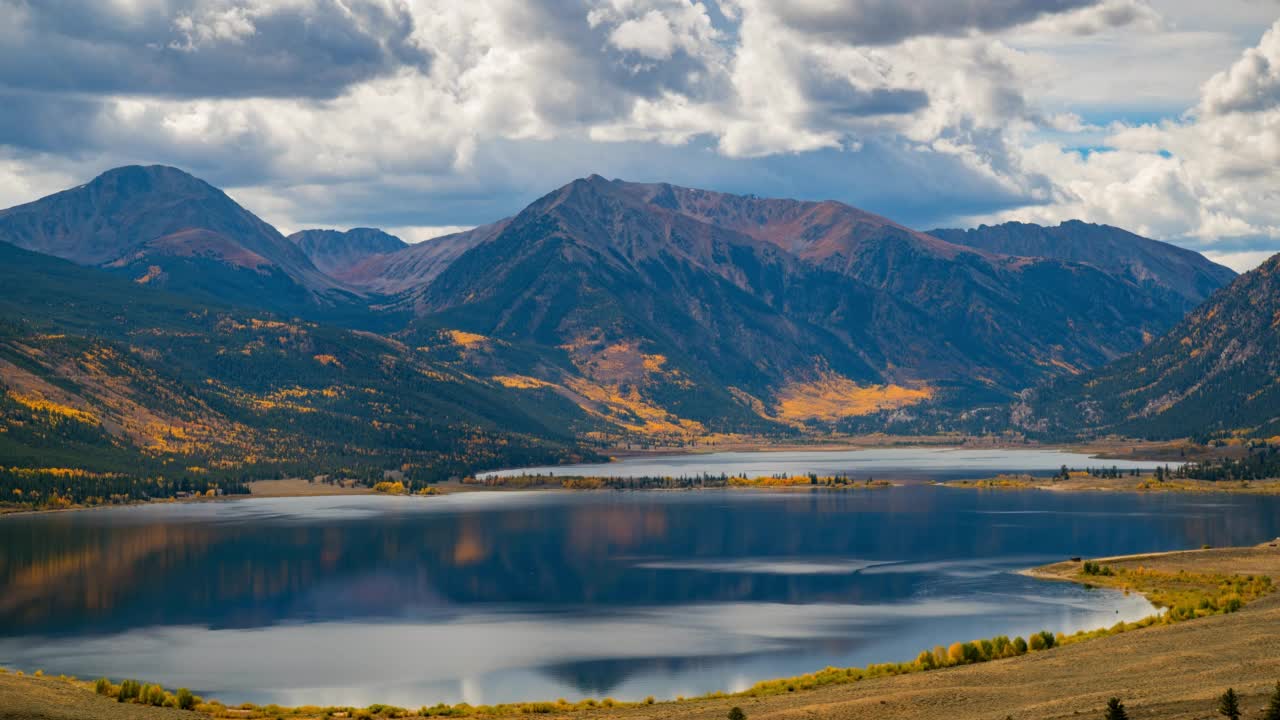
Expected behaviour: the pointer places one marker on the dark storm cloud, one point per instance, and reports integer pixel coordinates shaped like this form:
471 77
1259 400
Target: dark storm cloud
194 48
833 97
46 124
884 22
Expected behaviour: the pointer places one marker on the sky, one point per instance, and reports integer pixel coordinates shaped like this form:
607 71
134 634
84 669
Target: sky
425 116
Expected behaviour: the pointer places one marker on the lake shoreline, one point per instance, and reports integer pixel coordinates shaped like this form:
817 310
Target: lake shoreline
1055 683
1126 484
1143 485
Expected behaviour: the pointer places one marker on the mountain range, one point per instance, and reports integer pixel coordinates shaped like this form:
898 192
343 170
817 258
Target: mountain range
160 226
1216 374
604 312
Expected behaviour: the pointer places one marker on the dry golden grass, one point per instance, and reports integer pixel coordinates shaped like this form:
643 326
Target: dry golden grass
30 698
298 487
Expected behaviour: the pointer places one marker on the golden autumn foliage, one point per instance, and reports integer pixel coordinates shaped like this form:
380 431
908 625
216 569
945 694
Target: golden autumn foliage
805 481
630 410
654 363
465 339
390 488
833 397
521 382
39 404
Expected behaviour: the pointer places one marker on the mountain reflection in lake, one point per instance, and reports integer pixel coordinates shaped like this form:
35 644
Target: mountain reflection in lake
512 596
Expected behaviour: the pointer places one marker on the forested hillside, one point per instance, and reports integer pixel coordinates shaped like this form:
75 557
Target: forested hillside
98 374
1217 373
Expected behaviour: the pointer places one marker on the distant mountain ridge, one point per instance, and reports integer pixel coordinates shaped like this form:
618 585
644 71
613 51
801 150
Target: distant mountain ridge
652 311
1216 373
1142 260
417 265
336 252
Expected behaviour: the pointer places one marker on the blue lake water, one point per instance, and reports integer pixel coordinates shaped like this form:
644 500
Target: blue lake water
491 597
908 462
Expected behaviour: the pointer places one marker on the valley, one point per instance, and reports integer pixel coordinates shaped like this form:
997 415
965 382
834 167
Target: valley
639 359
606 317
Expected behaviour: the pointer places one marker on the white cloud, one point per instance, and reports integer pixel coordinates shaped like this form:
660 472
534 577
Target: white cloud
649 35
1243 261
1251 84
426 113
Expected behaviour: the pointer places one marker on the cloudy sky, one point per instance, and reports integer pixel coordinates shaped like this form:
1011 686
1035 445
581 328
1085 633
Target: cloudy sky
1161 116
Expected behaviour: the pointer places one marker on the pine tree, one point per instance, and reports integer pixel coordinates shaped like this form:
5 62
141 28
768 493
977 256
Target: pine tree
1115 710
1229 705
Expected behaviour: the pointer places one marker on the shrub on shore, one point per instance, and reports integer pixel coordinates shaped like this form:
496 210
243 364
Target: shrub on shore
1093 568
129 690
154 695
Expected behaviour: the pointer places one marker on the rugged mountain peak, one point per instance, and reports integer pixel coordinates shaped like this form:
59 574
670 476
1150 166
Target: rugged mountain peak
336 252
160 222
137 179
822 231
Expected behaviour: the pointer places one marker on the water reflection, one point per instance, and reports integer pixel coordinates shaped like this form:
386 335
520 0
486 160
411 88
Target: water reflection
504 596
910 462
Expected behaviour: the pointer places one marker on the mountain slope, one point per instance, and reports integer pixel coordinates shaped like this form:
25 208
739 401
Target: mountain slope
780 309
620 290
1014 318
98 372
161 226
1218 371
334 252
1147 262
417 265
615 309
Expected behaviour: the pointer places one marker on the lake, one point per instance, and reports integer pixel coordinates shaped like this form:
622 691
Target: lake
899 463
492 597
